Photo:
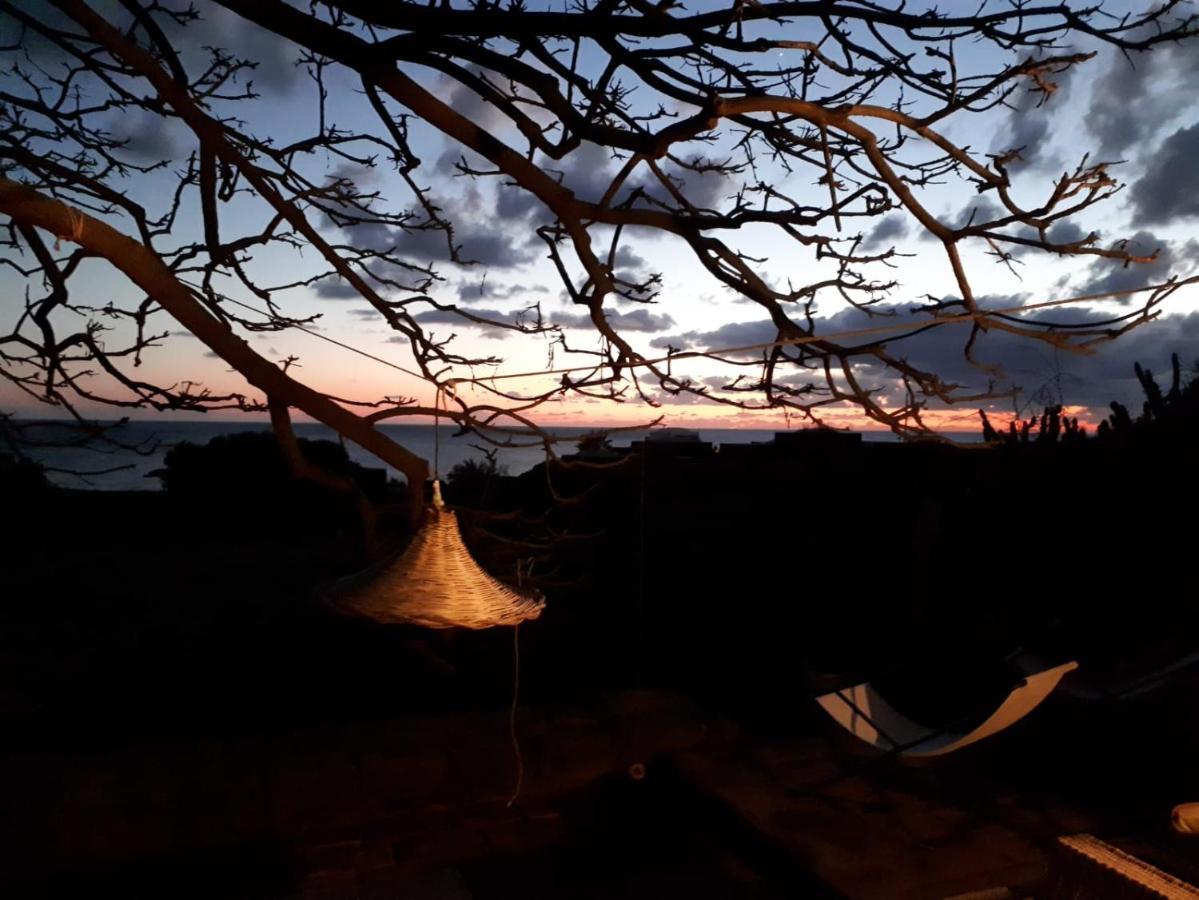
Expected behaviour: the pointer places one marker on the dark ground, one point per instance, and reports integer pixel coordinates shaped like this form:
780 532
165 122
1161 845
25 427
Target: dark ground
187 718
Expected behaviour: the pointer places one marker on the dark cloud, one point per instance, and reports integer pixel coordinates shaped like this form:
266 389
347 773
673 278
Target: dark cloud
631 267
1139 94
337 288
469 104
526 317
477 244
886 232
977 212
589 171
273 57
514 202
45 52
1066 233
1092 380
483 238
636 320
666 398
1058 233
732 334
704 190
492 290
1106 275
450 317
628 258
1027 128
1169 189
334 287
478 233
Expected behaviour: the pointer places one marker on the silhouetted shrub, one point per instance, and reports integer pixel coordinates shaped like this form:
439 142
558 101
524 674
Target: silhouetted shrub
20 477
1175 411
246 474
471 480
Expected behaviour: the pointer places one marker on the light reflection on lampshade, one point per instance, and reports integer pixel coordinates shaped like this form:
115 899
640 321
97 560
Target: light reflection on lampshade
435 583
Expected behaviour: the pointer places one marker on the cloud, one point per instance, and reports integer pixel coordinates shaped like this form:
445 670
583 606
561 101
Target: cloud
514 202
337 288
452 317
148 137
1027 127
1105 275
641 320
589 170
1169 189
1064 232
732 334
469 104
1025 363
978 211
334 287
274 58
1139 94
483 236
492 290
526 317
628 258
886 232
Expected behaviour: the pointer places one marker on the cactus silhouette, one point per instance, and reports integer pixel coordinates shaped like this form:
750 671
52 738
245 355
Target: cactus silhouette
1176 408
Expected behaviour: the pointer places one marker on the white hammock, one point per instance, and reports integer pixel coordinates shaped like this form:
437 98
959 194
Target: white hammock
863 712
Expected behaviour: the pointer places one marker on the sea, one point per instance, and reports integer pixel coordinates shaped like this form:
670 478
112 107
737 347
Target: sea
103 465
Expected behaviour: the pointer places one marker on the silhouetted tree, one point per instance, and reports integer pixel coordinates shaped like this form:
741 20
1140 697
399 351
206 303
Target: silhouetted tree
1175 410
702 112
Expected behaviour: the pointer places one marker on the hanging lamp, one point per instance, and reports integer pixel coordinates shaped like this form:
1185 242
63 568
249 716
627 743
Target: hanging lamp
435 582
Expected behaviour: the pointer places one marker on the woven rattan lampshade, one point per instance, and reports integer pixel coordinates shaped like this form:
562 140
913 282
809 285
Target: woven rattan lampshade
436 583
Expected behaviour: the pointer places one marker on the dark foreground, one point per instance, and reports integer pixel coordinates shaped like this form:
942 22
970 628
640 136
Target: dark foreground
187 717
418 807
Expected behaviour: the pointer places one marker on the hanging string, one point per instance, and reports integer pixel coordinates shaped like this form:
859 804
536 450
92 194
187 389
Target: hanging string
437 433
641 570
637 767
517 755
329 340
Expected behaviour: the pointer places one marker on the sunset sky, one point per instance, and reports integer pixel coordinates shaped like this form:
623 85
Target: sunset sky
1142 112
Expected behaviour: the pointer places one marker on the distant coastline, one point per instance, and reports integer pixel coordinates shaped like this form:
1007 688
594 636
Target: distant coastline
155 437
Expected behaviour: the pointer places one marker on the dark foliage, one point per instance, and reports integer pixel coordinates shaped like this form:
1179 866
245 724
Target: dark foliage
20 476
1174 414
246 478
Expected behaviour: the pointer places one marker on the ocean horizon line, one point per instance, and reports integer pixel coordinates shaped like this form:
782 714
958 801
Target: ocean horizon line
264 420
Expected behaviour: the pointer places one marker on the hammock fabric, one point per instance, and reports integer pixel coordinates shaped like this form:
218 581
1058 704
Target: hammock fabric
435 583
863 712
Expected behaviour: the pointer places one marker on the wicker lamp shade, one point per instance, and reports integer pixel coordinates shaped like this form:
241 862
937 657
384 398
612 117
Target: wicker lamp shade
435 583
